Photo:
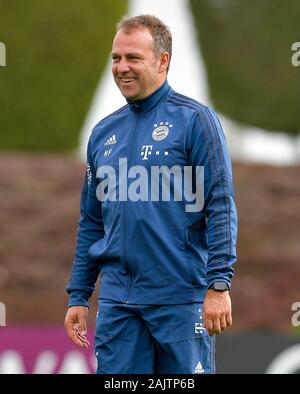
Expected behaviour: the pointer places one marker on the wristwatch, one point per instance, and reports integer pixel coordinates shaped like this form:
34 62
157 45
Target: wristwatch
220 286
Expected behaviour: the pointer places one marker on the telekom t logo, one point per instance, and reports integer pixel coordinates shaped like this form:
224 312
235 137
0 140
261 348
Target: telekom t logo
146 151
2 314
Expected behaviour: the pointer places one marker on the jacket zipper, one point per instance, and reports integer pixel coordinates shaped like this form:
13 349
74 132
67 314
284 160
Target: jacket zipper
125 224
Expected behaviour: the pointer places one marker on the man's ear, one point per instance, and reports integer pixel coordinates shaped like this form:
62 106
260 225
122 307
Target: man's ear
164 62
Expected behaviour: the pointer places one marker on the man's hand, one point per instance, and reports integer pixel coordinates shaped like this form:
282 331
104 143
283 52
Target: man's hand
217 311
75 325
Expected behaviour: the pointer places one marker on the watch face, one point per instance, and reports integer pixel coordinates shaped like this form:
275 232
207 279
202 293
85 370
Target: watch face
220 286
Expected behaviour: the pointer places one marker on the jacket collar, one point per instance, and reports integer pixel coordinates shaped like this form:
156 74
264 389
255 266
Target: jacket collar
148 103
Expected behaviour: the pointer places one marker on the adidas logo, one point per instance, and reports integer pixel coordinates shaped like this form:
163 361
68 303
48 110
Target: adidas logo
199 368
112 140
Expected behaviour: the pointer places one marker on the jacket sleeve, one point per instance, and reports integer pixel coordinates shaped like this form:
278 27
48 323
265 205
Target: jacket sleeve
207 147
90 229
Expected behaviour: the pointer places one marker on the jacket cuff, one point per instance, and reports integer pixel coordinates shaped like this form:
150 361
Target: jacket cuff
79 298
219 277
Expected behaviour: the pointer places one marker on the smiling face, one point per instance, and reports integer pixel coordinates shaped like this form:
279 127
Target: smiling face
137 69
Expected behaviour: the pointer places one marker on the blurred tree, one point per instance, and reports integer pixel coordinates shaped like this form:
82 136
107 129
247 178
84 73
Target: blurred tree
247 51
55 53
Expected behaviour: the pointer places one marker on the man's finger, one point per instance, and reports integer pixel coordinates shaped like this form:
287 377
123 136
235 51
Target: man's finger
82 337
82 325
69 327
229 319
208 324
72 333
223 322
211 333
217 326
79 341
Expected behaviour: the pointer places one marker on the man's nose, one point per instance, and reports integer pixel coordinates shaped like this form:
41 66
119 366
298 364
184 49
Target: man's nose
122 66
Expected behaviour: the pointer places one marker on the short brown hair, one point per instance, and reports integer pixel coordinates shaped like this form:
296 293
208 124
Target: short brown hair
160 32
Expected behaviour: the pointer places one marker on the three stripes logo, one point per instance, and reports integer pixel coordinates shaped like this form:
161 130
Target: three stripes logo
112 140
199 368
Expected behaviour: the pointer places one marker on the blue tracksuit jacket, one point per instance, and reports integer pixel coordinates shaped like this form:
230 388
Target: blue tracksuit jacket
147 250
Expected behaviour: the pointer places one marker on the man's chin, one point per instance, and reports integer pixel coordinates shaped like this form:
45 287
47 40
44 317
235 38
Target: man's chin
130 97
128 93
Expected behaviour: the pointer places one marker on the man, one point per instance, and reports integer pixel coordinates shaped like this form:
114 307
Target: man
165 263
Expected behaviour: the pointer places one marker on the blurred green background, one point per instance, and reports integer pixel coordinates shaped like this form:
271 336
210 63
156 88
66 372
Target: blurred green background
55 53
247 52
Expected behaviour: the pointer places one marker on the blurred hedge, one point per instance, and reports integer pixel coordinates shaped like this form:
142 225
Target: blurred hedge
56 51
247 51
